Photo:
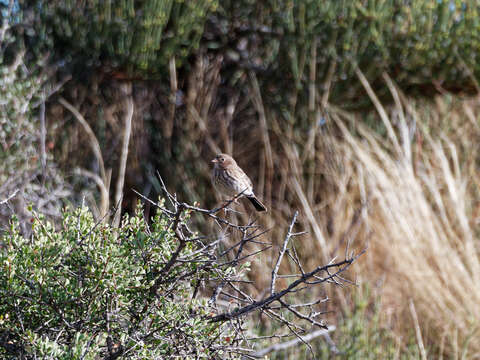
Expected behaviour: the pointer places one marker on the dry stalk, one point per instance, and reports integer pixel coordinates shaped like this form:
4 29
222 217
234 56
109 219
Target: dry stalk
91 136
129 109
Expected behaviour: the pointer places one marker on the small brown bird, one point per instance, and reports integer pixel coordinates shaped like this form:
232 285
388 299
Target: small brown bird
229 179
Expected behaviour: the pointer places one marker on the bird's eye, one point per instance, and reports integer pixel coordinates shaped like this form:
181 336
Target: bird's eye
222 159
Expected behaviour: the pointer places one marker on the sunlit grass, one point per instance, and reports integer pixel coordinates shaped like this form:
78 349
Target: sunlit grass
412 197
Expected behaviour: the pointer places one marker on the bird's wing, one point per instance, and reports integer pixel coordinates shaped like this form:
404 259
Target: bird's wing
243 181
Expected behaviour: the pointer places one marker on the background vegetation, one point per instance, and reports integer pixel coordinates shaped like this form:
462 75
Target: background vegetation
363 115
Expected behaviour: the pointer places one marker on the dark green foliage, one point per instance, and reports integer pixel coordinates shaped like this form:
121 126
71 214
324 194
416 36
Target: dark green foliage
85 287
416 41
134 36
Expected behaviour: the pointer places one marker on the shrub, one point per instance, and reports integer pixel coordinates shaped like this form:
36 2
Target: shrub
85 290
27 169
139 291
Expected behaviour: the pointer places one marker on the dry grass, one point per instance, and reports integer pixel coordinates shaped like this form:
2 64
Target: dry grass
424 232
422 214
413 198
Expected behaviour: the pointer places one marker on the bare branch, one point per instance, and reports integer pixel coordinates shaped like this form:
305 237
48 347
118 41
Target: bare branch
229 293
294 342
11 196
282 252
342 265
43 136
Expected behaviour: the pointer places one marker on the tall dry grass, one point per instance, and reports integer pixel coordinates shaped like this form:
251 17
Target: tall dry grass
425 239
412 196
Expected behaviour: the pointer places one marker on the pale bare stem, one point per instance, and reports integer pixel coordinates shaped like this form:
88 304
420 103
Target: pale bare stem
379 107
294 342
11 196
327 85
129 109
282 252
91 135
101 185
418 332
43 136
173 94
95 145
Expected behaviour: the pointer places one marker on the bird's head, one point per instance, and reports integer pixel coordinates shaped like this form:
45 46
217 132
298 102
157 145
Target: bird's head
223 161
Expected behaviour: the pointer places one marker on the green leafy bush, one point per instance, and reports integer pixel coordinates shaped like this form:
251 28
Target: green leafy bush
27 168
86 289
21 85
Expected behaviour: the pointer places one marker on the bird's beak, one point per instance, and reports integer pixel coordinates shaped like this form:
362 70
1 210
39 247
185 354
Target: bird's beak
214 161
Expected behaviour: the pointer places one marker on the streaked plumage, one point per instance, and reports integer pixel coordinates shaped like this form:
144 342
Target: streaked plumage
230 179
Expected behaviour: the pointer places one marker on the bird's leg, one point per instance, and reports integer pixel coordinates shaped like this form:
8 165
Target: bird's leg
226 208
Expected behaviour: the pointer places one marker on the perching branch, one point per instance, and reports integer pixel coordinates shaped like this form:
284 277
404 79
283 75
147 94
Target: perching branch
11 196
230 300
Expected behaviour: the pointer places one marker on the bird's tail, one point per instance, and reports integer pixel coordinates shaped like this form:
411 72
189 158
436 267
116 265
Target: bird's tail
258 205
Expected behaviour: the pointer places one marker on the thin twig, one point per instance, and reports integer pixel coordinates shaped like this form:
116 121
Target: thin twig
11 196
418 331
282 252
262 303
43 136
294 342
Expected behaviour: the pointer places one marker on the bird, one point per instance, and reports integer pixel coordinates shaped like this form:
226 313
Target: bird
229 179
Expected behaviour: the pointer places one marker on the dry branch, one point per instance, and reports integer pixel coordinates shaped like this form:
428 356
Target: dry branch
282 252
294 342
227 288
